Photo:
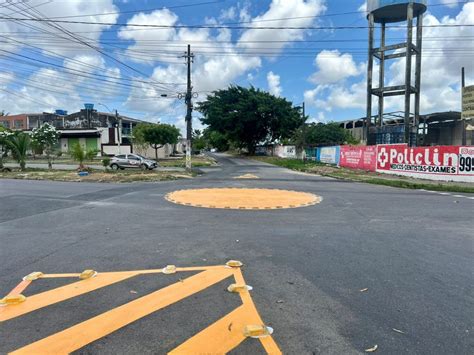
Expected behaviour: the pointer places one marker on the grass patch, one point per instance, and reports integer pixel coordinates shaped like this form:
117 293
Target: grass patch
96 176
367 176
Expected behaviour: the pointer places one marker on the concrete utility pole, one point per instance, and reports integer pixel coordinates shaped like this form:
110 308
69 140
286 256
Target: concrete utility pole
464 122
119 126
303 155
189 109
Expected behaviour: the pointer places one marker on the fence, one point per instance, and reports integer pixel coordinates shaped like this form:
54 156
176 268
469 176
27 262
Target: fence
444 163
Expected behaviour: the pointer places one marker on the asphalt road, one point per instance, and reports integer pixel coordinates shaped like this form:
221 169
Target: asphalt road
411 250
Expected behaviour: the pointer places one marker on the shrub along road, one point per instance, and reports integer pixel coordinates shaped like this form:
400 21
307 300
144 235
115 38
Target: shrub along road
368 265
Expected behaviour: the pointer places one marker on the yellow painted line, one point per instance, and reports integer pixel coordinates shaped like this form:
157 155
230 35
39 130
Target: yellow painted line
220 337
51 276
97 327
19 289
63 293
268 342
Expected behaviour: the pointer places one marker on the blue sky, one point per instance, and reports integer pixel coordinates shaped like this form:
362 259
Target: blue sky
46 67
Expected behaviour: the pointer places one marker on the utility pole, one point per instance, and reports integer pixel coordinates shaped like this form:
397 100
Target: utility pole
189 109
464 122
119 126
303 155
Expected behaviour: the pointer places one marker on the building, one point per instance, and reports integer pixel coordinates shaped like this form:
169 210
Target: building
440 128
106 132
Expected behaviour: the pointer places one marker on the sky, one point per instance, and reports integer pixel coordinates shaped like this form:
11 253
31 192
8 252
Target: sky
108 52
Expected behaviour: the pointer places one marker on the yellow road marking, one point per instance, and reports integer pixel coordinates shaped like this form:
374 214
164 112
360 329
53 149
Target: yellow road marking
63 293
97 327
241 198
220 337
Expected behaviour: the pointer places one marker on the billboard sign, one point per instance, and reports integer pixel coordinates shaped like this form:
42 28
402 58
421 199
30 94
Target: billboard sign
355 157
449 163
467 102
329 155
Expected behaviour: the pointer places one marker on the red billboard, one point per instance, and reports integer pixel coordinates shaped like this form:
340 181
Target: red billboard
436 163
363 157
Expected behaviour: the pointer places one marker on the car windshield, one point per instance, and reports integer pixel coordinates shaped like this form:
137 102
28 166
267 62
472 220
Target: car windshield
140 156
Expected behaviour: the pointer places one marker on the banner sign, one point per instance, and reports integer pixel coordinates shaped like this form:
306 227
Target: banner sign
450 163
467 102
329 155
363 157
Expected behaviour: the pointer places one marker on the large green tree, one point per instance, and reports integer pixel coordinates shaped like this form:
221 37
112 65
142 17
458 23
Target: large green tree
156 135
248 116
323 134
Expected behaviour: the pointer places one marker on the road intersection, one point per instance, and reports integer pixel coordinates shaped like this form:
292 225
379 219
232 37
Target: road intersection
368 265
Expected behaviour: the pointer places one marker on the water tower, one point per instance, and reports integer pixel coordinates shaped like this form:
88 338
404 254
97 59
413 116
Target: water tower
385 12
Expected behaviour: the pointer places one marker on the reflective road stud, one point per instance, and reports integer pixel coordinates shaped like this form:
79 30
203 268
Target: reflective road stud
221 337
12 300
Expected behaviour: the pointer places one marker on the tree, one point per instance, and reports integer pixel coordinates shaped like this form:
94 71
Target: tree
247 117
199 140
156 135
323 134
78 154
216 140
19 143
45 138
4 136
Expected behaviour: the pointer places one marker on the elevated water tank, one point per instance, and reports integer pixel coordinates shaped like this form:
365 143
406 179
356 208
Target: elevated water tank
394 10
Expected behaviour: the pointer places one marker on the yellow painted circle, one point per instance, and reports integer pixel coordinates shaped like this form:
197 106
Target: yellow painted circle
243 199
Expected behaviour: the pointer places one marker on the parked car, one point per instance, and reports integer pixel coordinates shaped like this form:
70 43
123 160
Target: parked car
123 161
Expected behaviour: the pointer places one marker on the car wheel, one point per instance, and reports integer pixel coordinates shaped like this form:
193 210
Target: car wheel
114 167
143 167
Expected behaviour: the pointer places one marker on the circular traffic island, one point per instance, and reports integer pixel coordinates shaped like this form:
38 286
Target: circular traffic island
243 199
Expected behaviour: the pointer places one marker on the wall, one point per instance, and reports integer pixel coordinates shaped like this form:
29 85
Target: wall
285 151
149 152
358 157
444 163
329 155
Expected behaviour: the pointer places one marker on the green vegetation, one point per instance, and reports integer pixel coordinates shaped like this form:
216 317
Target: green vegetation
95 176
19 143
44 139
78 154
247 117
366 176
155 135
322 134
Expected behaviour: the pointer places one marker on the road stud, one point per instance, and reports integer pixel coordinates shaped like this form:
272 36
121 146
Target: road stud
12 299
234 263
33 276
87 274
169 269
238 288
257 331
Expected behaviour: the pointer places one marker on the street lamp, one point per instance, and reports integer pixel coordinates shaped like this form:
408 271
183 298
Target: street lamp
118 124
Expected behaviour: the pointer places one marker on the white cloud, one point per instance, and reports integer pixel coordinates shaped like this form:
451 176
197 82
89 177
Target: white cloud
22 32
333 67
273 81
342 83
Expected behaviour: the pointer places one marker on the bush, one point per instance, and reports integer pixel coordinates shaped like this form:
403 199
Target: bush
91 154
106 162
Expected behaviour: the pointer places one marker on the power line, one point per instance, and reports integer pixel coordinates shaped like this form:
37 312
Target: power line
223 27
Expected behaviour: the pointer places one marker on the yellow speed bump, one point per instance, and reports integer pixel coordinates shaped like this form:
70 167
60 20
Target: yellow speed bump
87 274
234 263
33 276
257 331
12 299
237 288
243 198
169 269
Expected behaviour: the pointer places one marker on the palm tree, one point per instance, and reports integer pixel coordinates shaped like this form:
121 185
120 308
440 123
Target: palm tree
78 154
19 144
